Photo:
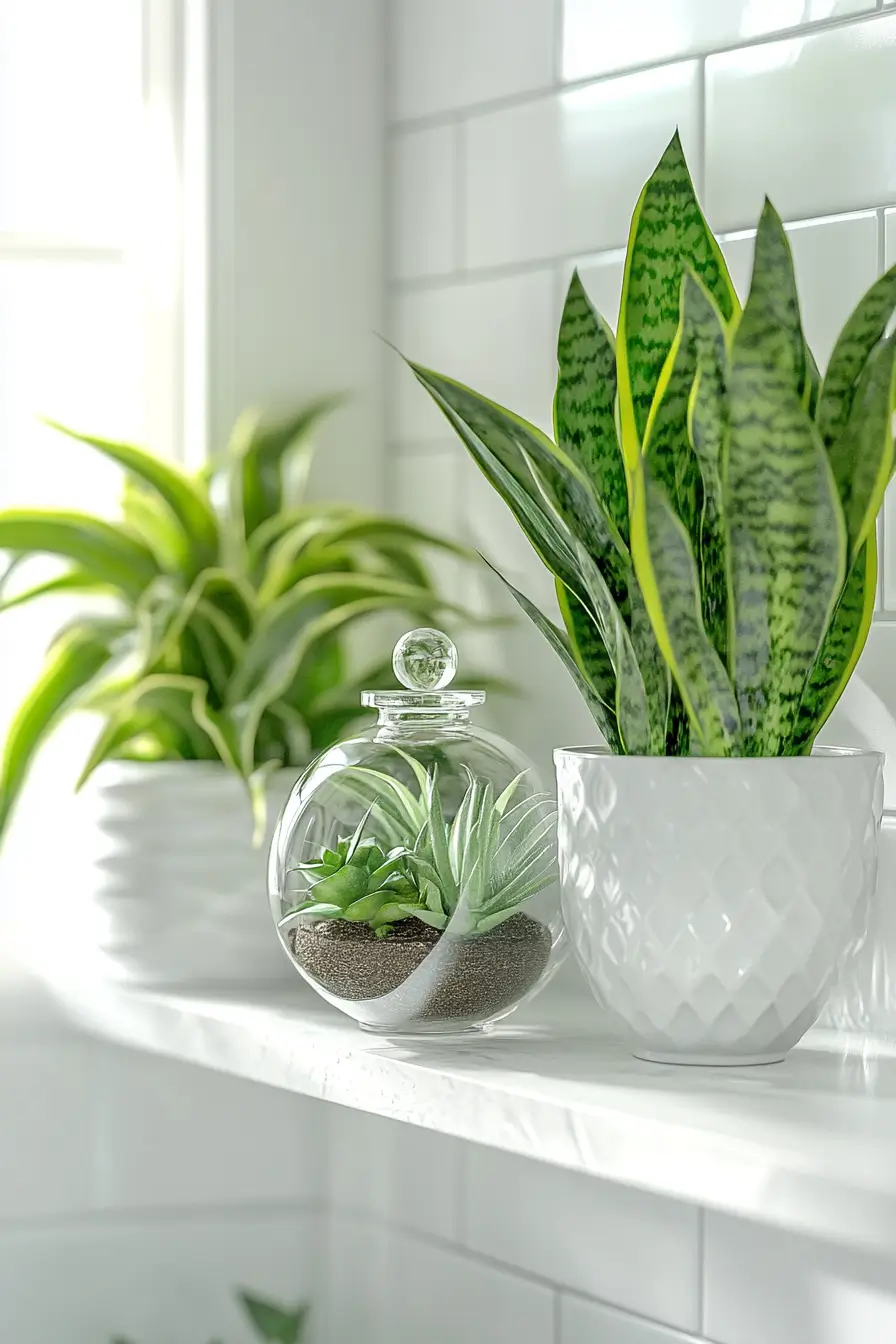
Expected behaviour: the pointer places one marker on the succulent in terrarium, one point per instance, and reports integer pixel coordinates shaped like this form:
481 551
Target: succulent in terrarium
412 875
473 872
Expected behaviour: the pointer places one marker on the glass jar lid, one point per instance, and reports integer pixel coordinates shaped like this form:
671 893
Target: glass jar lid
424 661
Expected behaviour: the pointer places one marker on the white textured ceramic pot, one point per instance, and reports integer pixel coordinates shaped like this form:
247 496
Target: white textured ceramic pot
176 894
710 902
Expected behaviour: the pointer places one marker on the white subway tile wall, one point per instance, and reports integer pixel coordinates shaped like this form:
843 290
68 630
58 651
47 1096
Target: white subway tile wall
136 1194
623 1246
558 112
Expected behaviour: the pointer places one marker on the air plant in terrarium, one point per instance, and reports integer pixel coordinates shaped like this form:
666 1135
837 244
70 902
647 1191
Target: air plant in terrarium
414 875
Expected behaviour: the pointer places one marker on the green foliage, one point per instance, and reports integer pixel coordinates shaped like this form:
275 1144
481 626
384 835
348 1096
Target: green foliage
473 872
270 1323
709 506
225 601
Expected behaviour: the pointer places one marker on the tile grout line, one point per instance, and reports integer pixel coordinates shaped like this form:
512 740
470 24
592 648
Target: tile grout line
474 1255
472 275
459 240
558 21
558 1317
487 107
701 130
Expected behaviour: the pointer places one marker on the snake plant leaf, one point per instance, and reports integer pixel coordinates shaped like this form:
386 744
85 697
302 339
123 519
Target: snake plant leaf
72 664
260 453
862 454
668 233
584 403
602 710
75 581
843 643
708 427
810 389
533 475
862 332
187 502
107 552
683 443
770 332
591 657
667 573
492 433
787 542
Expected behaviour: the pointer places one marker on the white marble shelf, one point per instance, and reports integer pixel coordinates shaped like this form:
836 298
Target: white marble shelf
809 1144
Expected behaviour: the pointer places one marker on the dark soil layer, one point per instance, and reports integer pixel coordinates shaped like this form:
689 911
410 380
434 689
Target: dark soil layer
479 975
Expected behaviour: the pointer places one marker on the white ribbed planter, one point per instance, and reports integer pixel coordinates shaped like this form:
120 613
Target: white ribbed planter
176 893
710 903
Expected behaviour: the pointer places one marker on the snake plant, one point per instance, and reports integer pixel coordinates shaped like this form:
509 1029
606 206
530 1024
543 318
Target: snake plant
223 602
708 505
473 873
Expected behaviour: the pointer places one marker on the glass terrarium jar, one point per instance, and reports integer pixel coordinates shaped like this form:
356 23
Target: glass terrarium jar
413 871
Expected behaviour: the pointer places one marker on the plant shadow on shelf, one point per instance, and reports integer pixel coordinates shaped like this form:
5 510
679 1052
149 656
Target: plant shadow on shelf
270 1323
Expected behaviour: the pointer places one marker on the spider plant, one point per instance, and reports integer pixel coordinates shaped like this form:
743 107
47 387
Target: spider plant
224 599
708 508
472 873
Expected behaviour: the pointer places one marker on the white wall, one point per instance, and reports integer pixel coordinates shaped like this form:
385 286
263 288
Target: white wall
137 1193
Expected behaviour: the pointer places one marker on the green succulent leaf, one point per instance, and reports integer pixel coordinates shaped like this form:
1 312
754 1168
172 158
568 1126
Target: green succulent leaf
786 532
668 234
106 552
584 403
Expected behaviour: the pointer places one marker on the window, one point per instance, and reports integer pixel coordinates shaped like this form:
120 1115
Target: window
86 248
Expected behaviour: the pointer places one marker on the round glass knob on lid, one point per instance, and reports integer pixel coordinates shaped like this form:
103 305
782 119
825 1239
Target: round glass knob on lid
424 660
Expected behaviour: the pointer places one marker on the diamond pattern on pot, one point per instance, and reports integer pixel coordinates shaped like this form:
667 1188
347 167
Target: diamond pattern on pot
711 902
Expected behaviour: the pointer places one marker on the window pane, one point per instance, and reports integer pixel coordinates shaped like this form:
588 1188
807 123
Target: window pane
70 108
70 349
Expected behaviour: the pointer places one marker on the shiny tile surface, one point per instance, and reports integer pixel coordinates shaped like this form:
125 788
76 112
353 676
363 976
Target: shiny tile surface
584 1322
496 335
765 1285
804 121
561 175
600 36
423 196
548 1221
445 56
